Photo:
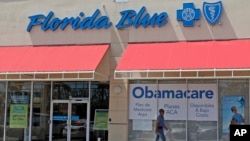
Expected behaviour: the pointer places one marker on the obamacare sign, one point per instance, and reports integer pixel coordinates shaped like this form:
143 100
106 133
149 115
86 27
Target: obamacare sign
188 15
200 101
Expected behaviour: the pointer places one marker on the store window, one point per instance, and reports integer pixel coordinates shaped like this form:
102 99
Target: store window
97 93
41 110
66 90
194 109
2 108
99 102
17 126
202 124
24 102
233 93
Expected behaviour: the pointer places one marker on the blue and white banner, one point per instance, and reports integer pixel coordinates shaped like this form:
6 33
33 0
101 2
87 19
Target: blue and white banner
180 101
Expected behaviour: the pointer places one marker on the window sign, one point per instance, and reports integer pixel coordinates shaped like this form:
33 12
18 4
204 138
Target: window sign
101 119
142 104
175 108
203 105
18 116
198 102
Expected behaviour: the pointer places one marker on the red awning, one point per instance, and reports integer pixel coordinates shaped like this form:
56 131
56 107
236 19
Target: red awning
185 56
53 59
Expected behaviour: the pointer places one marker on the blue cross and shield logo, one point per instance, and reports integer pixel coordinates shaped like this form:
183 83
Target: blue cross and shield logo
188 14
212 12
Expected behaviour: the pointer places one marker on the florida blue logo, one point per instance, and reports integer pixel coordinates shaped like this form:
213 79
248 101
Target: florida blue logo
212 12
188 14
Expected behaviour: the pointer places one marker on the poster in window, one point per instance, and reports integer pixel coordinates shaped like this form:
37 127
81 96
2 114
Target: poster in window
101 119
232 105
18 115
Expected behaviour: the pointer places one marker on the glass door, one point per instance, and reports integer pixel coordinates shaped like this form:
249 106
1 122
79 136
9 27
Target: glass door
69 120
79 124
59 120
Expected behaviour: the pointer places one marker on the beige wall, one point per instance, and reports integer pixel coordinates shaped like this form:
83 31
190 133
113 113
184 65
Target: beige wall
14 15
234 24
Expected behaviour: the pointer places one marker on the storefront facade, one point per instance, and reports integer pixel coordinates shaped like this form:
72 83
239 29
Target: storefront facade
122 60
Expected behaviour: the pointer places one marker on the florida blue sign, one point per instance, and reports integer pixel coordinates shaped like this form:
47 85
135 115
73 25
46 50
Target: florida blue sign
79 22
188 14
212 12
98 21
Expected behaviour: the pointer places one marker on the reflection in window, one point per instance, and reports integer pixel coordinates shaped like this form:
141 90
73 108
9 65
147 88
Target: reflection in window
64 90
41 110
18 106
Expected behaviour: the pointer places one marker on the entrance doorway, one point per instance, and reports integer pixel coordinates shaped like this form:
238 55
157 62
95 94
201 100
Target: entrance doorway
69 120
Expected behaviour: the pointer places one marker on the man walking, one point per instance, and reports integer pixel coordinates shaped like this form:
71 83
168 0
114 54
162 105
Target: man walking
160 126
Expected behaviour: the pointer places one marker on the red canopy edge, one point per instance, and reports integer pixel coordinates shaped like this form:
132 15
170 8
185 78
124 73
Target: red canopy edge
51 58
184 56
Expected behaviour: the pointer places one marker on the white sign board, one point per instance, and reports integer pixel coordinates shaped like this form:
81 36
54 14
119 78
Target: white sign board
175 108
180 101
205 106
140 105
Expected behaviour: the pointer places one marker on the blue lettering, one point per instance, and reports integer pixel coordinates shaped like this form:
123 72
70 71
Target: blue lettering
194 94
88 22
126 19
45 25
209 94
137 90
70 21
170 93
185 94
102 22
172 112
34 20
162 19
137 21
130 17
179 94
145 92
47 22
149 93
54 24
158 94
142 114
151 21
